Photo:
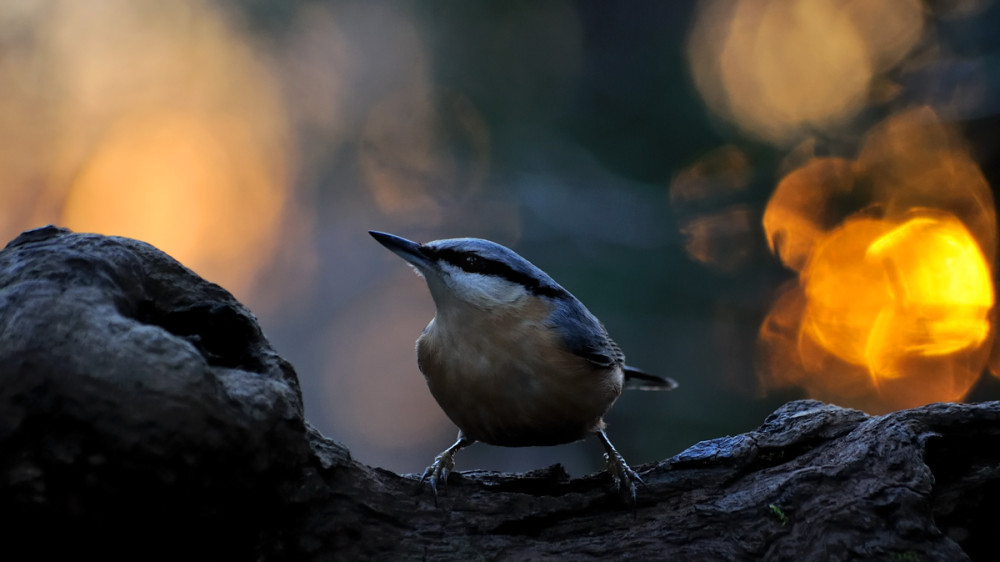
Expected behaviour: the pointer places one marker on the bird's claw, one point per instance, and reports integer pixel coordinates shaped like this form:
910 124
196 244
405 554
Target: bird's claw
623 476
438 471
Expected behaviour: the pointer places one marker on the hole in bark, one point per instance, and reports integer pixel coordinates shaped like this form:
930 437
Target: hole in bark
223 336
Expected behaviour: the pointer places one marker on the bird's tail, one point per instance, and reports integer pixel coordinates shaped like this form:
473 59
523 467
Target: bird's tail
641 380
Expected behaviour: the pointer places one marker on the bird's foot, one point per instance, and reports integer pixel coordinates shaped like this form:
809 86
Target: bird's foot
437 473
625 479
439 470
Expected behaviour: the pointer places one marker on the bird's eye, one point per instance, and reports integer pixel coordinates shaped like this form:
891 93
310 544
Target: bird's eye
476 264
473 264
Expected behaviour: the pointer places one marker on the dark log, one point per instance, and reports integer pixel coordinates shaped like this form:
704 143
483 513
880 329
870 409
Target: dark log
143 415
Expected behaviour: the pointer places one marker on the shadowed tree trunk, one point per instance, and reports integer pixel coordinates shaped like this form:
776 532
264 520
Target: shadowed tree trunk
143 415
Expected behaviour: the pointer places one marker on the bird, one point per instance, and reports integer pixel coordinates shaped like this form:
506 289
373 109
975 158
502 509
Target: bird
512 358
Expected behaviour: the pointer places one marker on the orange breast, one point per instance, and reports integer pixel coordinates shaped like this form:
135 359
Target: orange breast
503 378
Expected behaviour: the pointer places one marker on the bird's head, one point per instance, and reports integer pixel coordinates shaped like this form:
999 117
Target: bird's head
472 271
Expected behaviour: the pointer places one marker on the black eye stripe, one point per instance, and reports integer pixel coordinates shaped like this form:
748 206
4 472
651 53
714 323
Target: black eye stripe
474 263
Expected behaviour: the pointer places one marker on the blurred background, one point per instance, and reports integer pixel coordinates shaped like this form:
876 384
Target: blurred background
764 199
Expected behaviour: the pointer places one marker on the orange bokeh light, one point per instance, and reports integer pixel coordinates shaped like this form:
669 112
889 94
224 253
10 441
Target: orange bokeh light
154 120
893 306
777 68
844 291
879 294
800 209
721 238
188 184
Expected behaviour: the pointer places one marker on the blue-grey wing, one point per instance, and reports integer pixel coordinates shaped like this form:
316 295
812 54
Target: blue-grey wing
585 336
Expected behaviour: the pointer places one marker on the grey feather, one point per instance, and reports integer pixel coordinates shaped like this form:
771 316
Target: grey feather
585 336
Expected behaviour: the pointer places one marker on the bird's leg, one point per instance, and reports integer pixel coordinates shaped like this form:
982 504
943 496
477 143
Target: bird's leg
624 477
439 469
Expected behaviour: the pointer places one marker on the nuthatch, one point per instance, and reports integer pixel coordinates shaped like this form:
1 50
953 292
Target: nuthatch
511 357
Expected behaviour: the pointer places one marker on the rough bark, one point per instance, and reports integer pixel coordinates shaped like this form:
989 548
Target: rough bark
143 415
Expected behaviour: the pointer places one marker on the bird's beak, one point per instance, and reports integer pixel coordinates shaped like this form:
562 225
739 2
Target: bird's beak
410 251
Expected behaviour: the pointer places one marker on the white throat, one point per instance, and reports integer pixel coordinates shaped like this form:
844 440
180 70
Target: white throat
483 291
